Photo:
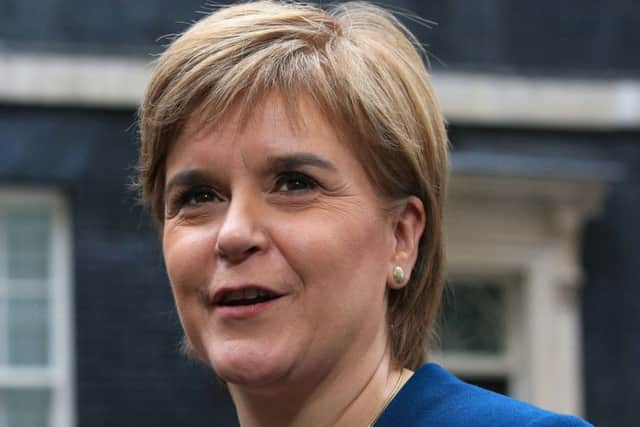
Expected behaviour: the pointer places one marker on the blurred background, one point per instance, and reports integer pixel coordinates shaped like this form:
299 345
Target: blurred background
543 104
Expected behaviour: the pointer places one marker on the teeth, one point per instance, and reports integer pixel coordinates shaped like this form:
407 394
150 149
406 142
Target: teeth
234 296
245 294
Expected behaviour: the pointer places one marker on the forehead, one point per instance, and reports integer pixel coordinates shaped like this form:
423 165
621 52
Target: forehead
273 123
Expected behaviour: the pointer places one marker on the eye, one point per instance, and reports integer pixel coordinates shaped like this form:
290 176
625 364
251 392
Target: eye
294 182
193 197
197 197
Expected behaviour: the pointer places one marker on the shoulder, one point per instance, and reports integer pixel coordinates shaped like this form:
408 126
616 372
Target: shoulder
435 397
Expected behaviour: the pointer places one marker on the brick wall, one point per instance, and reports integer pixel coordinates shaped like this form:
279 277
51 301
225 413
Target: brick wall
128 368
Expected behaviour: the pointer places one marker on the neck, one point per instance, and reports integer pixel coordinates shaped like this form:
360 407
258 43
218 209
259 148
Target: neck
342 396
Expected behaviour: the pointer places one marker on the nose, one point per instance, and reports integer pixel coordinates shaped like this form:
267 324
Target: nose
241 234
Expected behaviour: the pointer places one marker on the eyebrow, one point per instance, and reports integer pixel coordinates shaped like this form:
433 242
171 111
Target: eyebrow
188 177
274 163
296 160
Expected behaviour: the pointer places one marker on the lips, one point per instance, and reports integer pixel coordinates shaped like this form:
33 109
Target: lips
243 296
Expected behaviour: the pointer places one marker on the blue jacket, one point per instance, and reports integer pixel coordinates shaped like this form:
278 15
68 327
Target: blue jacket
435 398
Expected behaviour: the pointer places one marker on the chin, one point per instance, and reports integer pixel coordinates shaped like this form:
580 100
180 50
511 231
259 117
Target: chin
245 363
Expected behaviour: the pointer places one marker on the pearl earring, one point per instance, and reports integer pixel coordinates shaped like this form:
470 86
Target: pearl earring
398 275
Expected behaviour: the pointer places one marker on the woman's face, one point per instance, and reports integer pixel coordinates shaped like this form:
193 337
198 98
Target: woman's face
276 246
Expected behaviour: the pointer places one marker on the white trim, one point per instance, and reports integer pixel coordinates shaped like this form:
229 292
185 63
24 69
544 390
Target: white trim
72 80
529 230
57 377
518 381
4 310
63 351
507 364
471 98
473 365
26 378
549 102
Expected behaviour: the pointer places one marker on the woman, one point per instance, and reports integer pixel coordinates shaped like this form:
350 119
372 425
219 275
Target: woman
295 161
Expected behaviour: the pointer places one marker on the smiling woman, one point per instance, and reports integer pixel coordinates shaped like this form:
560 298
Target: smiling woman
278 214
295 161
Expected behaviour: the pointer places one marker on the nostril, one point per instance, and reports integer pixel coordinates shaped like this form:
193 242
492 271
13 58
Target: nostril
219 251
239 238
236 254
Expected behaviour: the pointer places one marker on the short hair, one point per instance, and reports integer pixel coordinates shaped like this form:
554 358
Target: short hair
364 71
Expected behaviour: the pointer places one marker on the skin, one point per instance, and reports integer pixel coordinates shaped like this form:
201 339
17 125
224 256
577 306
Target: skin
291 209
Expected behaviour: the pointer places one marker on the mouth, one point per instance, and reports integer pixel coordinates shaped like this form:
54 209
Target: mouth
244 297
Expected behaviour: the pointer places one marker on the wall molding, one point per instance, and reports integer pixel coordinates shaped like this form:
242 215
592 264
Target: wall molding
539 101
528 230
466 98
72 80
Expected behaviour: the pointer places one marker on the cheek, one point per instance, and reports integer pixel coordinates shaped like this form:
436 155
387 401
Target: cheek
188 256
338 250
357 237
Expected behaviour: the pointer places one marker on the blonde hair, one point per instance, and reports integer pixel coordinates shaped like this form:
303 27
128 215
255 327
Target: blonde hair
363 70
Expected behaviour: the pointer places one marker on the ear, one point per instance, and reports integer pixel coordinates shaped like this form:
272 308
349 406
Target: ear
409 222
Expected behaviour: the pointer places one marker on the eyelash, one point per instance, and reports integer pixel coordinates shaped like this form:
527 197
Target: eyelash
297 177
186 197
192 196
